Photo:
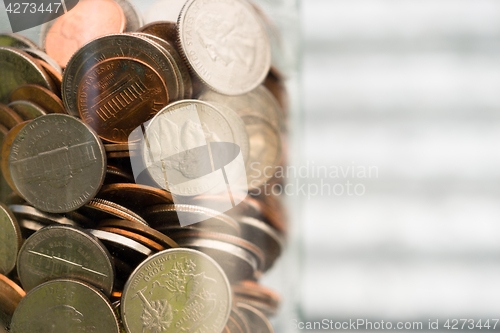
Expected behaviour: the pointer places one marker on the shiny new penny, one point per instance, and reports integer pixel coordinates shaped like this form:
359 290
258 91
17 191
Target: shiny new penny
59 251
7 144
26 109
64 305
43 97
16 69
176 290
225 43
10 240
119 94
89 19
57 163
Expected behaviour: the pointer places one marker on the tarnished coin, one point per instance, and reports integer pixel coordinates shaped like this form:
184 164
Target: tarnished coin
8 117
57 163
135 196
115 174
64 305
17 69
59 251
10 240
87 20
16 40
10 295
257 321
7 144
225 43
41 96
27 110
176 290
119 94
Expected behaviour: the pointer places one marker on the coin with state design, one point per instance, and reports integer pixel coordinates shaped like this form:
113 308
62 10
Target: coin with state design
64 305
10 239
60 251
225 43
57 163
176 290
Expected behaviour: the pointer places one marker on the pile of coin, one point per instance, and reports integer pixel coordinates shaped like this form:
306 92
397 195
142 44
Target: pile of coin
132 161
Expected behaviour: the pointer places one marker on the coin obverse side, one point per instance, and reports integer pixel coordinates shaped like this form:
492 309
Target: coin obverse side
64 305
176 290
10 240
225 43
57 163
59 251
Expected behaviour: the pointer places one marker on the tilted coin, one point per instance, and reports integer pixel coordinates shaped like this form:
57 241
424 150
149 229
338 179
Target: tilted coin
27 110
29 227
166 30
258 296
10 240
112 46
86 21
240 319
116 175
176 290
256 320
41 96
135 196
225 43
44 57
54 75
122 247
8 117
28 212
16 40
273 212
7 144
10 295
64 305
57 163
151 244
59 251
121 146
111 209
233 326
117 95
133 18
17 69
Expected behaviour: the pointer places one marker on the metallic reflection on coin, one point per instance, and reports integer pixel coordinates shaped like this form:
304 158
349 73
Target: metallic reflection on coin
10 295
135 196
26 109
176 290
28 212
256 320
225 43
8 117
86 21
57 163
43 97
58 251
17 69
10 240
16 40
40 55
64 305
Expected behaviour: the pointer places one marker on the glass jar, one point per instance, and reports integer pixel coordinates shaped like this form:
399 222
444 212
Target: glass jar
144 144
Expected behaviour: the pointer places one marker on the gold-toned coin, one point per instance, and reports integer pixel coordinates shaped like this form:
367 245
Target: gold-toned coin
7 144
10 295
41 96
27 110
8 117
10 239
18 68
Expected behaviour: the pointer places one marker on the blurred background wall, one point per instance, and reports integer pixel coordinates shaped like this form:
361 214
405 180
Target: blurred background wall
412 89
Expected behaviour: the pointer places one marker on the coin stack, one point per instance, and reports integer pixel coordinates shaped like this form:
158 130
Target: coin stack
110 219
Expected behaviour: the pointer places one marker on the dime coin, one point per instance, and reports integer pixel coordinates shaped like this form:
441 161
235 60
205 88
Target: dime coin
41 96
7 144
8 117
10 240
10 295
57 163
64 305
17 69
87 20
225 43
26 109
256 320
59 251
117 95
176 290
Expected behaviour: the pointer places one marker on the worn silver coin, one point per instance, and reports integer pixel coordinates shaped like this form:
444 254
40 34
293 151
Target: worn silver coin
10 239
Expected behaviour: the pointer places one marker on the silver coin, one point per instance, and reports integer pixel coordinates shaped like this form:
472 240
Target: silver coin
64 305
26 109
225 43
122 247
37 54
132 16
57 163
173 148
31 213
176 290
65 252
10 240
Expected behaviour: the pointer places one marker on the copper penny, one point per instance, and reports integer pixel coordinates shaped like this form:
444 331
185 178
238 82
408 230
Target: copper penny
138 238
115 174
8 117
117 95
86 21
166 30
7 143
27 110
135 196
104 209
11 295
41 96
54 75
